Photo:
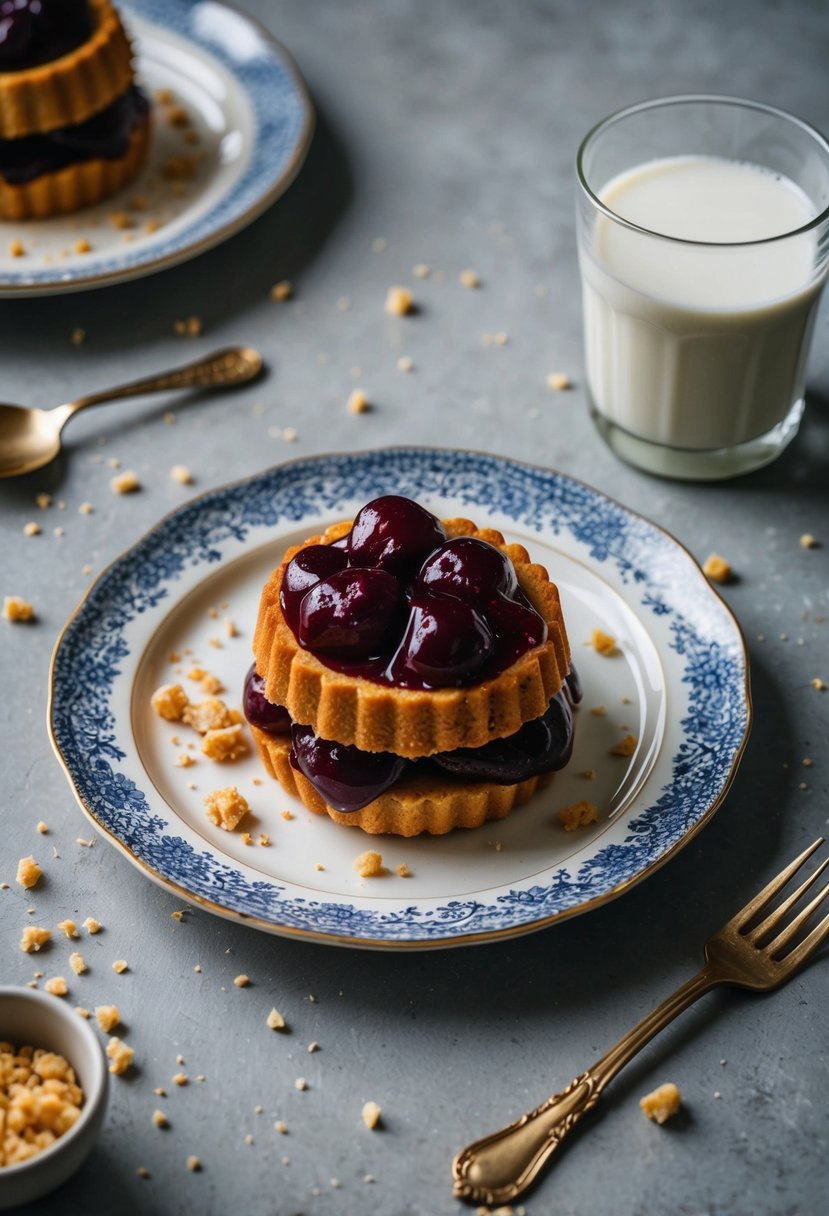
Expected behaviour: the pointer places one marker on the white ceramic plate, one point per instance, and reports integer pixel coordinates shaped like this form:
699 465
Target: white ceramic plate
253 116
679 683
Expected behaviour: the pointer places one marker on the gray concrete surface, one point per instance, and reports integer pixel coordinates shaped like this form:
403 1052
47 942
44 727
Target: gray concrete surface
449 130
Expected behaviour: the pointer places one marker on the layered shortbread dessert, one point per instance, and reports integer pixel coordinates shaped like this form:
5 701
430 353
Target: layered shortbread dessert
74 126
411 674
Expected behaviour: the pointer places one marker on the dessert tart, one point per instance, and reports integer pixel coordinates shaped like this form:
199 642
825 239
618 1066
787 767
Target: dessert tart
74 127
410 674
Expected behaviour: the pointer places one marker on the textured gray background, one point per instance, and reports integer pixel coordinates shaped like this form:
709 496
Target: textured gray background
450 131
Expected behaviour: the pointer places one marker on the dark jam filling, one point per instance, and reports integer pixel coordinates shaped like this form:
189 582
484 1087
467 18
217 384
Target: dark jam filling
38 31
398 603
348 778
105 136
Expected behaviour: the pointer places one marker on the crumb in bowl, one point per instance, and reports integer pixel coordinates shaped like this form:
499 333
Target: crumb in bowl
40 1099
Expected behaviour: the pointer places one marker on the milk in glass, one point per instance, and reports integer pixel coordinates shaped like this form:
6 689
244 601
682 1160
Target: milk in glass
699 342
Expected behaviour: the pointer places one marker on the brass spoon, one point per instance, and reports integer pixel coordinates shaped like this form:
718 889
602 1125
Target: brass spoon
30 438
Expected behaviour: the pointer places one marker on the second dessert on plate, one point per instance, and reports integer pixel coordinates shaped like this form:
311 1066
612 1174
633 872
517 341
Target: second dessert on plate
410 674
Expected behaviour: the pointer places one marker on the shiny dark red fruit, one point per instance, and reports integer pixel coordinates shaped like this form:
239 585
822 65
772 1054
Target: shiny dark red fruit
469 569
37 31
446 643
259 711
346 777
352 614
394 533
304 572
540 746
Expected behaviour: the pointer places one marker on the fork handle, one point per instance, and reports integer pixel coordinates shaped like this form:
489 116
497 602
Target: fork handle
501 1166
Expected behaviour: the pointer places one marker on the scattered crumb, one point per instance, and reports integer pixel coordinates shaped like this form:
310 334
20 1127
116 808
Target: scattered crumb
32 529
87 844
371 1115
28 872
247 838
227 743
17 249
398 301
92 925
807 761
121 219
469 278
169 418
160 1093
661 1103
281 1127
241 981
56 986
120 966
226 807
358 402
33 938
181 474
17 609
420 271
82 246
125 483
57 531
81 1012
578 815
282 290
177 116
818 684
808 541
194 1164
625 747
190 327
275 1020
313 1046
42 827
369 865
76 962
290 434
43 500
716 569
589 774
180 1078
500 339
300 1083
318 865
86 508
120 1055
78 336
559 382
210 714
230 628
143 1172
405 363
185 760
403 871
107 1017
288 815
603 642
599 711
160 1119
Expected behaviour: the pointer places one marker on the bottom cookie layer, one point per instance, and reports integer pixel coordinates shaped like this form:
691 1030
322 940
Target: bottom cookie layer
415 804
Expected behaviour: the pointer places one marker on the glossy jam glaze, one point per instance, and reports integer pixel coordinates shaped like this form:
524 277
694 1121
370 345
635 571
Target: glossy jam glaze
38 31
458 617
348 778
105 136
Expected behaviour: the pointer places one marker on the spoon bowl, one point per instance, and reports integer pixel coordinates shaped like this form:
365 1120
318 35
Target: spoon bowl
31 438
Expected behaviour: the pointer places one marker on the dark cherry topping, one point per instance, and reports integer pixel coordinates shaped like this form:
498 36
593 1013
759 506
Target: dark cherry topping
259 711
37 31
540 746
394 533
447 642
352 614
104 136
469 569
304 572
396 602
346 777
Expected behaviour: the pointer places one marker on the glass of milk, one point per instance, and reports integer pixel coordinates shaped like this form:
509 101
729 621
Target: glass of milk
703 236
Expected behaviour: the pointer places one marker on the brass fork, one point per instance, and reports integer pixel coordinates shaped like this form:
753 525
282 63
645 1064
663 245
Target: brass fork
501 1166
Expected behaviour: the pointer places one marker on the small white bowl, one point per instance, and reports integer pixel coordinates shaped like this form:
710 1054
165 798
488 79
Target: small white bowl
31 1017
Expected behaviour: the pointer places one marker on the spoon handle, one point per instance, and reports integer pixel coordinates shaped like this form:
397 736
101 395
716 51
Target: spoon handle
224 368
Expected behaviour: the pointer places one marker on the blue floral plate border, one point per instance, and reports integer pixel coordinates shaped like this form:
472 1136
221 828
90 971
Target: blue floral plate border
699 643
